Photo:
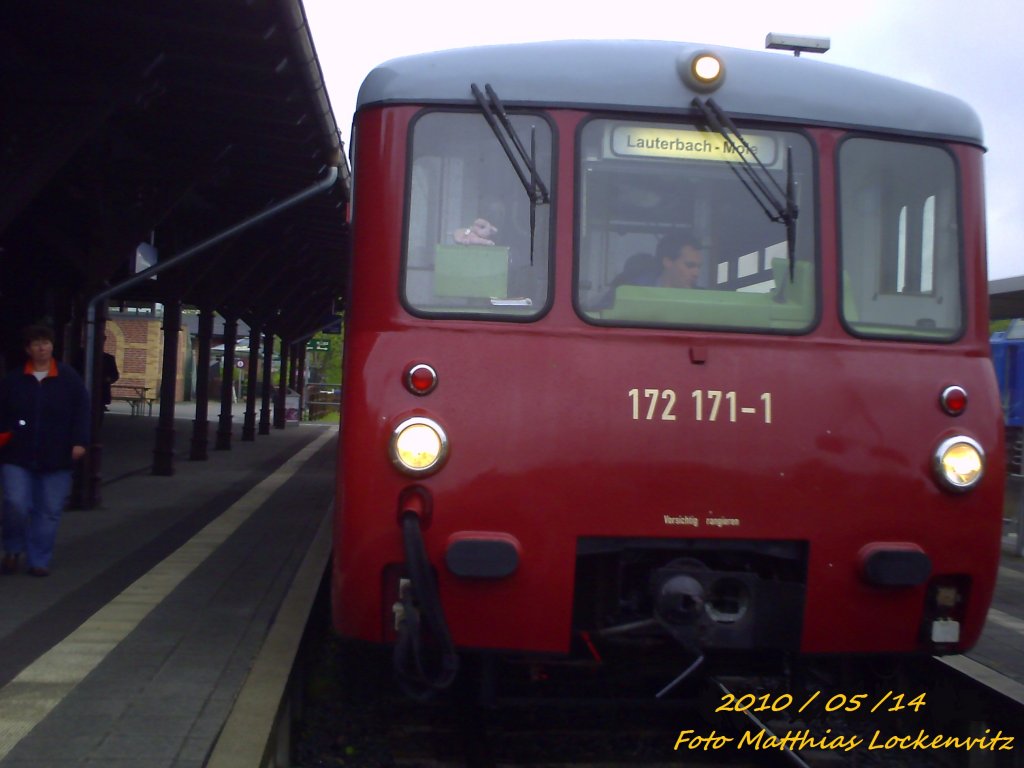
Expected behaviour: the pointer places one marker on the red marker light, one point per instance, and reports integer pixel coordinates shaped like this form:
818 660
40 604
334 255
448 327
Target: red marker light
420 379
953 400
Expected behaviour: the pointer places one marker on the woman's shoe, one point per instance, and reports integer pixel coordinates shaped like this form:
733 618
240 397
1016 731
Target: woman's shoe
9 564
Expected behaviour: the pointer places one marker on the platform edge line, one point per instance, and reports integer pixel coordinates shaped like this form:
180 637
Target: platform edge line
263 695
989 677
22 708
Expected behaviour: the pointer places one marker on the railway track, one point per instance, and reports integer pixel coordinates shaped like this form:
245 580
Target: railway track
879 711
357 717
336 703
862 713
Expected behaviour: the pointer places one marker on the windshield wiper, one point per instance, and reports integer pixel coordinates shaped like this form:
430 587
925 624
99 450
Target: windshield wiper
524 163
778 204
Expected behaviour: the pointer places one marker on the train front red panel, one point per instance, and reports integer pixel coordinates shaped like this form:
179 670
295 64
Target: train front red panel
561 430
549 445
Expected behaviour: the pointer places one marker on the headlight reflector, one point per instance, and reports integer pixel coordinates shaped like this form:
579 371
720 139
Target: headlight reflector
418 446
959 463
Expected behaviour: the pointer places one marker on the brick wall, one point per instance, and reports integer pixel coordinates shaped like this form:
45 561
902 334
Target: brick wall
137 344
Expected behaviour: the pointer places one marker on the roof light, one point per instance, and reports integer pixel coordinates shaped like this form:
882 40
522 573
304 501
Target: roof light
703 71
707 68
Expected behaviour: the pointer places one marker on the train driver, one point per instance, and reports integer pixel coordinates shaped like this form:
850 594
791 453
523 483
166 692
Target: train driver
677 263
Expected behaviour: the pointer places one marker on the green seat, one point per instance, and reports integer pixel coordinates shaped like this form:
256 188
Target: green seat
725 309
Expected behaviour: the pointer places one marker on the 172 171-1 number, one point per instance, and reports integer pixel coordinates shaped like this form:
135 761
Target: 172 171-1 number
651 404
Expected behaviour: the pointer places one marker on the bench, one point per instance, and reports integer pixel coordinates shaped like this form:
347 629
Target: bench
137 397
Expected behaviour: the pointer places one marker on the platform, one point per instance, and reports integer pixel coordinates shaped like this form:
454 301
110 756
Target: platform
133 651
1002 642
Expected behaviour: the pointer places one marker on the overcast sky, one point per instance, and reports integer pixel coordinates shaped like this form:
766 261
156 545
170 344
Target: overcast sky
969 48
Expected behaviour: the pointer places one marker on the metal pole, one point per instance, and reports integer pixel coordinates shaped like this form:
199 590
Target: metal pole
163 453
268 355
252 382
282 385
200 425
227 385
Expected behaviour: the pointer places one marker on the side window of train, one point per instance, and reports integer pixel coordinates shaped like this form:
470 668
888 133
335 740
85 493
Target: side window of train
669 234
475 245
901 258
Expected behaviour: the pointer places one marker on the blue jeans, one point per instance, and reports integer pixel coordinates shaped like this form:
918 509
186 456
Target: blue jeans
33 502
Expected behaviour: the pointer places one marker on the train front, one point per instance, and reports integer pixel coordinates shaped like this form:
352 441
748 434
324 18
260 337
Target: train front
617 379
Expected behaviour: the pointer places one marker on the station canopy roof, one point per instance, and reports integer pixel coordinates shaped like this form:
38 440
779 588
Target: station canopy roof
1006 298
167 122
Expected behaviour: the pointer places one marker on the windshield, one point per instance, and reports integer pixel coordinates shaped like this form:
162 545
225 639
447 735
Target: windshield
469 248
900 242
669 235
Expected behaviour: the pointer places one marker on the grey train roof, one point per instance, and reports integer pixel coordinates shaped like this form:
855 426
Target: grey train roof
610 74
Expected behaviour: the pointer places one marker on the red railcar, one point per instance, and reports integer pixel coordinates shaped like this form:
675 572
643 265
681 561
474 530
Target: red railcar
550 432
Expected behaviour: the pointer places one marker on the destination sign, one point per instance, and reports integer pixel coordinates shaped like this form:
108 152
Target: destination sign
684 144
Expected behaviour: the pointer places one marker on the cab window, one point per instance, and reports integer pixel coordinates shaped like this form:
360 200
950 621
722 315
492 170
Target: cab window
901 257
671 232
474 243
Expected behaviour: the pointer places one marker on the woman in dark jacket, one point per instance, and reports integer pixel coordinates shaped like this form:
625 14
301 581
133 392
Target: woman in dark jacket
44 429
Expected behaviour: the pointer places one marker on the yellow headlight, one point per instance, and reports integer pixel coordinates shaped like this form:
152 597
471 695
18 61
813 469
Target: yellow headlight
418 446
959 463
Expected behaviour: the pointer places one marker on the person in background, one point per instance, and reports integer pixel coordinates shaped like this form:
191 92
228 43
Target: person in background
44 429
110 375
